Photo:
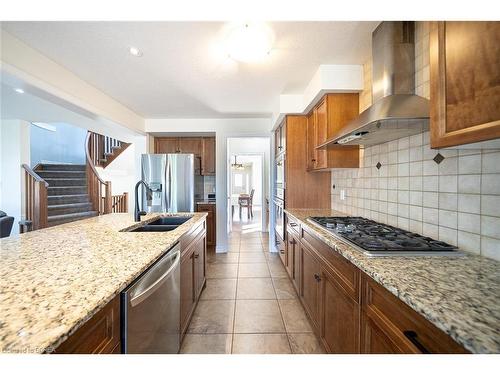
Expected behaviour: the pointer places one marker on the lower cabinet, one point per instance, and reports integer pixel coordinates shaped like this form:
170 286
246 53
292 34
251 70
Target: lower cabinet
351 313
338 316
309 283
193 277
210 209
100 335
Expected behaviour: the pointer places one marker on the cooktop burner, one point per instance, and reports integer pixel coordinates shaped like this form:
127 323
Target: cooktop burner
378 239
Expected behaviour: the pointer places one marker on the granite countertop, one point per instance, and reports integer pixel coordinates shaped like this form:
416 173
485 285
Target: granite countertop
205 202
459 295
53 280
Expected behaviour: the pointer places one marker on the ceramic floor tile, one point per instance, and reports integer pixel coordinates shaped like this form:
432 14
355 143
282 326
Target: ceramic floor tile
255 288
219 289
246 248
252 258
305 343
261 344
258 316
206 344
253 270
284 288
277 269
230 257
215 316
228 271
294 316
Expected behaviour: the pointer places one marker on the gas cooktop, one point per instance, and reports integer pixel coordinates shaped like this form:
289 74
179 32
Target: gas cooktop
376 239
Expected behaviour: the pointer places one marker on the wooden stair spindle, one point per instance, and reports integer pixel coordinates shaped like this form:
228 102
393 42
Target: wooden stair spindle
36 212
99 190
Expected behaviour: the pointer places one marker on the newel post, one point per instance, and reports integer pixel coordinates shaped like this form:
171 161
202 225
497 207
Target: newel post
108 200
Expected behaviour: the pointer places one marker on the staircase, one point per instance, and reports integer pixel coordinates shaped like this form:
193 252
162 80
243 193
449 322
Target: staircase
67 193
103 149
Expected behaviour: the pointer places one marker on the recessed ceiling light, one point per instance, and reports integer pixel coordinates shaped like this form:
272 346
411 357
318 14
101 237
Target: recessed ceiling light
249 42
135 51
19 91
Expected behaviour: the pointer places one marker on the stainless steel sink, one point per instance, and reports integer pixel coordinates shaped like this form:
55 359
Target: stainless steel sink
170 220
163 224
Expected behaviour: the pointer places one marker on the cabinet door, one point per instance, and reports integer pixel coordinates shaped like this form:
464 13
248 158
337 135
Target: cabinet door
321 128
291 244
167 145
208 157
278 147
309 283
296 264
311 141
339 317
199 261
210 210
281 245
374 340
465 82
283 137
190 145
188 295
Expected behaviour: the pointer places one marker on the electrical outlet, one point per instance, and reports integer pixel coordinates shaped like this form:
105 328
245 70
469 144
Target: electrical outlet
342 195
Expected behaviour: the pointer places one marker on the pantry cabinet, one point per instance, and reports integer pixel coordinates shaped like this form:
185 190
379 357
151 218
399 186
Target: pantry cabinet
208 156
464 82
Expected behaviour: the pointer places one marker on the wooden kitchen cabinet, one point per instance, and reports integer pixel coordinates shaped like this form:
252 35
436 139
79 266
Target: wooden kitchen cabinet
280 139
100 335
210 209
208 156
190 145
390 326
338 316
193 273
167 145
292 263
464 82
327 119
309 283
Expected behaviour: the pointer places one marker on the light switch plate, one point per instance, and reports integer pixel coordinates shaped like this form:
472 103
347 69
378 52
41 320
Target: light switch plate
342 195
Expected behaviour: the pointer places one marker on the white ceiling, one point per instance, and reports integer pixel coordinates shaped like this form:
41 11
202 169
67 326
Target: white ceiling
180 76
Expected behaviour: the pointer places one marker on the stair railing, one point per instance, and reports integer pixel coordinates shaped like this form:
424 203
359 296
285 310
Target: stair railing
99 190
120 203
36 201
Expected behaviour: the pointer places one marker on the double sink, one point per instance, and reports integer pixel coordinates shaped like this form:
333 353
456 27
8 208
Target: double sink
163 224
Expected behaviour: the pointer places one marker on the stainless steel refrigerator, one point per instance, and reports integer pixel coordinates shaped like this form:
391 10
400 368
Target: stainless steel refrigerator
174 181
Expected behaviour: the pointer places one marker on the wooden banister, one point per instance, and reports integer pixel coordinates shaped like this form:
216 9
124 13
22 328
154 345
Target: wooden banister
120 203
99 190
36 201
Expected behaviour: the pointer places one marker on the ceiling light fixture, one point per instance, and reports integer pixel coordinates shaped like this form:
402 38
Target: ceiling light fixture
249 42
19 91
236 165
134 51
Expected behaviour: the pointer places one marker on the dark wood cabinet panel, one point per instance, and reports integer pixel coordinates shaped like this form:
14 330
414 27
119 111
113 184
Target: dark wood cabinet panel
339 317
190 145
166 145
187 289
292 244
208 156
326 119
281 246
388 322
465 82
210 209
309 283
100 335
199 260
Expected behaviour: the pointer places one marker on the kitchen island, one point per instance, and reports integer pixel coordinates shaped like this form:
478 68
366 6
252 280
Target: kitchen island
458 295
54 280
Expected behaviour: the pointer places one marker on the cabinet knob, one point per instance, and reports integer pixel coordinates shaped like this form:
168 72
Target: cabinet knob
317 277
280 147
282 251
293 224
313 160
196 256
413 337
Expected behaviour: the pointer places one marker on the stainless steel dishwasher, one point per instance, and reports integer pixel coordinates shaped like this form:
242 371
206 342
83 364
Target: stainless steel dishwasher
151 308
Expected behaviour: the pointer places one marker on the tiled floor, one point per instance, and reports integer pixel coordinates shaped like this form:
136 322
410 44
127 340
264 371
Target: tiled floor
249 305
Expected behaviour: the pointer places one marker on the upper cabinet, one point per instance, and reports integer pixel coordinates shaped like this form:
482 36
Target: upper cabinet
326 119
202 148
280 139
465 82
208 156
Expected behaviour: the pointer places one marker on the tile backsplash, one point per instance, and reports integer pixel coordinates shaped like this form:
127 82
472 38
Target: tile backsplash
456 201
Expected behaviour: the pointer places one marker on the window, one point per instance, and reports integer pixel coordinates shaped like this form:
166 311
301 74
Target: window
238 180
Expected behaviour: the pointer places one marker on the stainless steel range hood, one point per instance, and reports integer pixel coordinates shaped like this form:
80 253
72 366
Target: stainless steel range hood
396 110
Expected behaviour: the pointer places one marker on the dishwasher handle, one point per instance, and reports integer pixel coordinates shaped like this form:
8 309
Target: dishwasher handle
134 301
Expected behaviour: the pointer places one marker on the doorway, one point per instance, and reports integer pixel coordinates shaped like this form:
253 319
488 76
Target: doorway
248 185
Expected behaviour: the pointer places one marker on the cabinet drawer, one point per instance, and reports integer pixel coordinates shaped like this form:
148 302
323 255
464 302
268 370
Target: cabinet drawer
293 225
100 335
405 328
347 275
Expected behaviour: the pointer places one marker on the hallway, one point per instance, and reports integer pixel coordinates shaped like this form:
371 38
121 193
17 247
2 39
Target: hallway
249 305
